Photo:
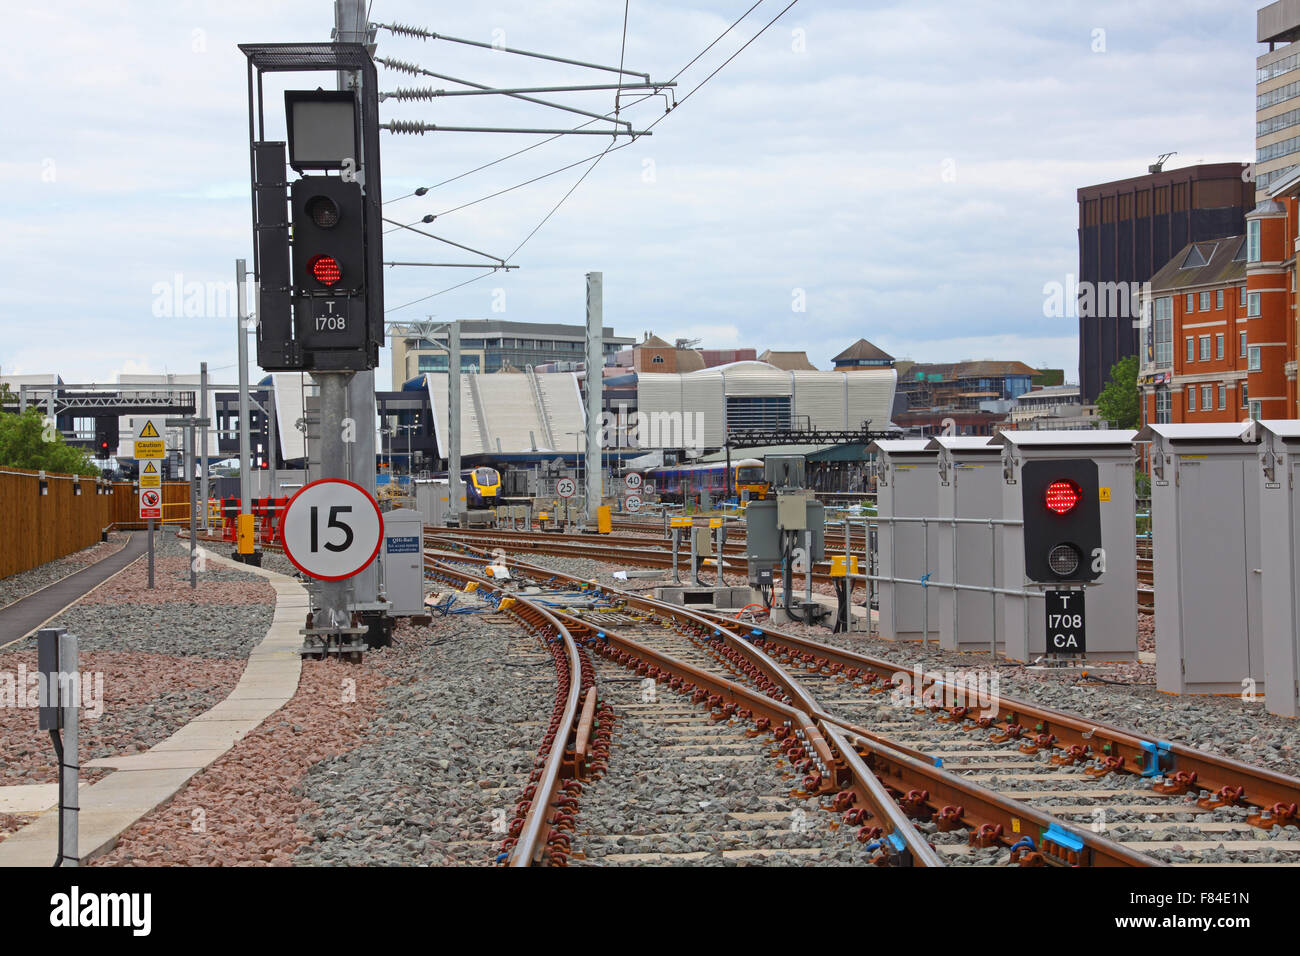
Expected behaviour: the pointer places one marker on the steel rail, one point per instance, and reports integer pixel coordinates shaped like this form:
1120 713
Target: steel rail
926 790
901 843
532 839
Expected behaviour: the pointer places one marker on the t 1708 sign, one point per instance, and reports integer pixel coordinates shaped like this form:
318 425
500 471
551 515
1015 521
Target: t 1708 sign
1066 622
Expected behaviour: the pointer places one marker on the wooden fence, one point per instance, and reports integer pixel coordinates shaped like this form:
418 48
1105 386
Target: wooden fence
36 528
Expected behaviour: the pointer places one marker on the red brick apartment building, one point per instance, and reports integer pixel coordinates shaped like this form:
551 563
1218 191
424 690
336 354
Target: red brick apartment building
1219 325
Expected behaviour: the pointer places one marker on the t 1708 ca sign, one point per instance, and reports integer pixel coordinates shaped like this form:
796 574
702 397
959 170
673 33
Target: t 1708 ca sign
332 529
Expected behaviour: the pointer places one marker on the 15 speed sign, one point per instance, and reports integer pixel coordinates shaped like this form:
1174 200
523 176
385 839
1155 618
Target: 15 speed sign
332 529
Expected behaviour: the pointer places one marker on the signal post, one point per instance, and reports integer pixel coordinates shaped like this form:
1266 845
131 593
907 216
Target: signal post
320 299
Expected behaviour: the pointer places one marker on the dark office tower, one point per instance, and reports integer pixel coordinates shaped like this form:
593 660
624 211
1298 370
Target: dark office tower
1128 230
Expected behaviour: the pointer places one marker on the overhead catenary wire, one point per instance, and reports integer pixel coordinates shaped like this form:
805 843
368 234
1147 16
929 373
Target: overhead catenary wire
596 158
401 29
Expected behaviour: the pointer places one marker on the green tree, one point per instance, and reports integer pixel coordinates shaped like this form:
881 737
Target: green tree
1118 401
25 442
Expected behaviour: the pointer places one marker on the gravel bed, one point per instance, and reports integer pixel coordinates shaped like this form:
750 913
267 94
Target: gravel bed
403 759
651 800
224 617
24 583
148 666
438 772
1241 730
245 808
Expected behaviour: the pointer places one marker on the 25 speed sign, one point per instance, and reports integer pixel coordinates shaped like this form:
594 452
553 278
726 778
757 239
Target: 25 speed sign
332 529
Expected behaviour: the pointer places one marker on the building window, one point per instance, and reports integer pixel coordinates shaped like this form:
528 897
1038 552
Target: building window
1191 398
1241 300
1218 346
1205 302
1256 410
657 360
1164 332
1191 350
1243 344
1253 363
1191 303
1163 404
1218 299
1205 348
1207 397
1252 305
1245 402
759 412
1252 241
1223 397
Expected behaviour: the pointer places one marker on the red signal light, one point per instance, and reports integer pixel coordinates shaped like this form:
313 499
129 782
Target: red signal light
325 269
1062 496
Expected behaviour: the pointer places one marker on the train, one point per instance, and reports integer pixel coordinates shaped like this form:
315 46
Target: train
674 482
482 486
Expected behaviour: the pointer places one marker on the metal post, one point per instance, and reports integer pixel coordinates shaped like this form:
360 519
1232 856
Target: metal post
595 398
453 423
272 439
245 456
808 563
956 595
676 538
925 592
332 596
189 488
203 443
69 794
993 548
151 552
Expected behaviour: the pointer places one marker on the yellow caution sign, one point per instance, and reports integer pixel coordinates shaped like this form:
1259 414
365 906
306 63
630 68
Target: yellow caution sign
839 565
1103 494
715 522
149 441
681 522
150 473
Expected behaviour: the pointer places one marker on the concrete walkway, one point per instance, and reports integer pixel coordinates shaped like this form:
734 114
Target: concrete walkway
147 780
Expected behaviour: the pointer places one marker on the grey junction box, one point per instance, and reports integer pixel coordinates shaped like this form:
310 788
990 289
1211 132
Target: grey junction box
1279 454
969 472
1205 531
403 560
907 487
1110 600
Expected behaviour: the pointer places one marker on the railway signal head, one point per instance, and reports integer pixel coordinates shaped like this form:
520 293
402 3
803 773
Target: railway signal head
1062 520
329 240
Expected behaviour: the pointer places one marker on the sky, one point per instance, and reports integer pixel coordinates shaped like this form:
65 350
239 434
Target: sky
904 172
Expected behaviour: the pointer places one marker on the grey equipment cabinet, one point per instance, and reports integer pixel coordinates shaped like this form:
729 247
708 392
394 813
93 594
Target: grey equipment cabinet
1100 464
1205 535
1279 454
906 487
969 472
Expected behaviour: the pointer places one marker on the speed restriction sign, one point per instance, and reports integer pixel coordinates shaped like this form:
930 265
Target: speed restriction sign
633 481
332 529
566 487
632 503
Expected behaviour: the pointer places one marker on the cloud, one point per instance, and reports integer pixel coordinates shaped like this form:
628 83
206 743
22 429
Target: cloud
910 166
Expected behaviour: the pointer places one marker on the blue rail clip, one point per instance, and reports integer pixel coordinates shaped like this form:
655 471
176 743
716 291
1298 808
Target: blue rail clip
1063 838
1158 759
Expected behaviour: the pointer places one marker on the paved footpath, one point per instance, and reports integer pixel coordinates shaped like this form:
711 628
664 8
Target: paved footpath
24 616
147 780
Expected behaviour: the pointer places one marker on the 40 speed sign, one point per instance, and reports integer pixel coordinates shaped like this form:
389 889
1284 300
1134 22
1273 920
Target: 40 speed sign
332 529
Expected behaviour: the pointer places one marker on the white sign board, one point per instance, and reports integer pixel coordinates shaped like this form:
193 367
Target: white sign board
633 481
332 529
566 487
632 503
150 503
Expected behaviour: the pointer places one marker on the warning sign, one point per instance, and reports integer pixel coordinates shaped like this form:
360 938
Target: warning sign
150 503
151 473
149 441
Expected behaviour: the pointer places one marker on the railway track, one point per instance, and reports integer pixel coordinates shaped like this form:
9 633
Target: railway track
994 768
653 552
